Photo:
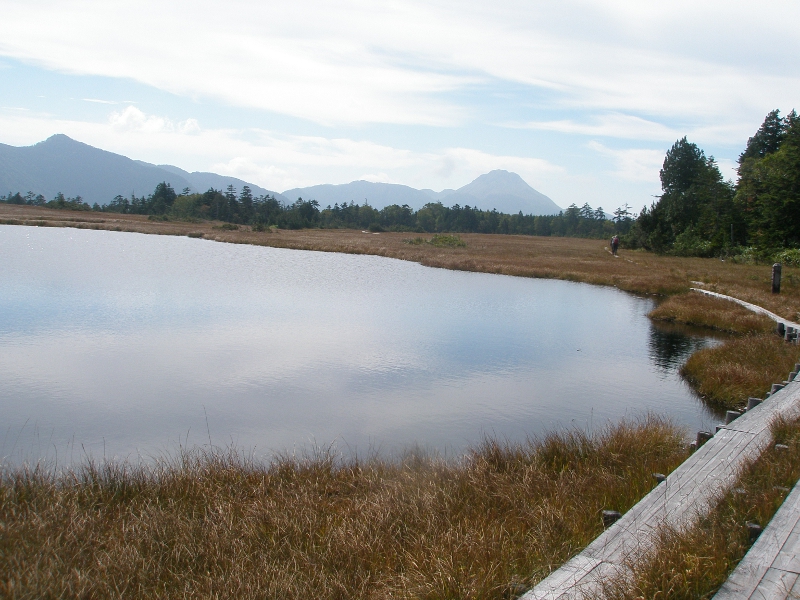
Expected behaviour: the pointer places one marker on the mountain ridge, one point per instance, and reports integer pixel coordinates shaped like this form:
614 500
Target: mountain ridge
499 189
62 164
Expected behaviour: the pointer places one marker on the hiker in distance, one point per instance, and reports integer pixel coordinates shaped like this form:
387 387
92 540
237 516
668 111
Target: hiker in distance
614 245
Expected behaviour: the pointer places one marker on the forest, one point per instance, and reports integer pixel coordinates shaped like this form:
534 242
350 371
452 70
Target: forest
697 214
263 212
700 214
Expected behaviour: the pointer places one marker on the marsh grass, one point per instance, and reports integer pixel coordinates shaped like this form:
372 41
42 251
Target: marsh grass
694 564
447 241
218 524
713 313
725 376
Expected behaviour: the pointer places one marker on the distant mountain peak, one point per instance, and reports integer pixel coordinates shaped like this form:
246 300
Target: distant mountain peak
497 181
500 189
507 192
60 139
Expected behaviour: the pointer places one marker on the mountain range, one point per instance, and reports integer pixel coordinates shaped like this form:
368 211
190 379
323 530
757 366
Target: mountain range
61 164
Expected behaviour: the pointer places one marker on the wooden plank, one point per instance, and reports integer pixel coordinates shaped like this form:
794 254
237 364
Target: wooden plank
678 502
580 577
795 591
775 585
565 580
777 548
788 558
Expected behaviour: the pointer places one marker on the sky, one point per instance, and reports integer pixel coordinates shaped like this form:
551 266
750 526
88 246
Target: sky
581 98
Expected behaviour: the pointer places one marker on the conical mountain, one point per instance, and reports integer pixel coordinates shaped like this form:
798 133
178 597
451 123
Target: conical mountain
505 191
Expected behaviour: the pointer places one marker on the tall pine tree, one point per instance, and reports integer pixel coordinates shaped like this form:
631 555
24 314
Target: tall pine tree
768 191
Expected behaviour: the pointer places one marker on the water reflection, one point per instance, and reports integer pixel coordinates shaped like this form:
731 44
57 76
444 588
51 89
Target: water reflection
670 345
123 343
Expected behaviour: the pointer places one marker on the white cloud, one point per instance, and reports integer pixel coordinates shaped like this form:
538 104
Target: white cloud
613 125
361 62
188 126
133 119
633 164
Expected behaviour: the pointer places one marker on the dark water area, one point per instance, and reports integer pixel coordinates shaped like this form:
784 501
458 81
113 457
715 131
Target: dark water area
127 345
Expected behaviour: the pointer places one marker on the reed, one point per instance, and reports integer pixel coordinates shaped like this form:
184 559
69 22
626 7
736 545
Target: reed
218 524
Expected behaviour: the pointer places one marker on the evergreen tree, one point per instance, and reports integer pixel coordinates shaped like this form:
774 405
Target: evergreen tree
768 191
161 200
767 139
232 208
246 204
696 209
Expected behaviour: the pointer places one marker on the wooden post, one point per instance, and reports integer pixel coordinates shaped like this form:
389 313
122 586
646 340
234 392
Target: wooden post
703 437
753 402
776 278
731 415
610 517
753 531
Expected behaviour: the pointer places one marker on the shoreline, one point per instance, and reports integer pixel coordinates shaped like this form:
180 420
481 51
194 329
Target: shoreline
573 259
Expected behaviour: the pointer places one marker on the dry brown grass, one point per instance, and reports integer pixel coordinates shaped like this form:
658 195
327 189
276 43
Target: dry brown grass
526 256
714 313
693 565
725 376
218 525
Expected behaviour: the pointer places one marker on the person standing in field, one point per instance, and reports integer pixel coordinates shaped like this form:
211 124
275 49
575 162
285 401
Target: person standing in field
614 245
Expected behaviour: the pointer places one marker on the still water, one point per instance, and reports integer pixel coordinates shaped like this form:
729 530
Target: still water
126 345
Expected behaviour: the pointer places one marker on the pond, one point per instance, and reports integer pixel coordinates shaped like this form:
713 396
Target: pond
127 345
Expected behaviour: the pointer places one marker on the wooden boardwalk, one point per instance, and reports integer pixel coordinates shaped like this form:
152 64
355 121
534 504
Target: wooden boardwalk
686 494
771 568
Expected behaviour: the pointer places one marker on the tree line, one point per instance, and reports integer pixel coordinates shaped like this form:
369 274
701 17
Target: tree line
262 212
701 214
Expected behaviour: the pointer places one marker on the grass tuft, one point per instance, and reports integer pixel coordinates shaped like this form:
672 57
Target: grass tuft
725 376
713 313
